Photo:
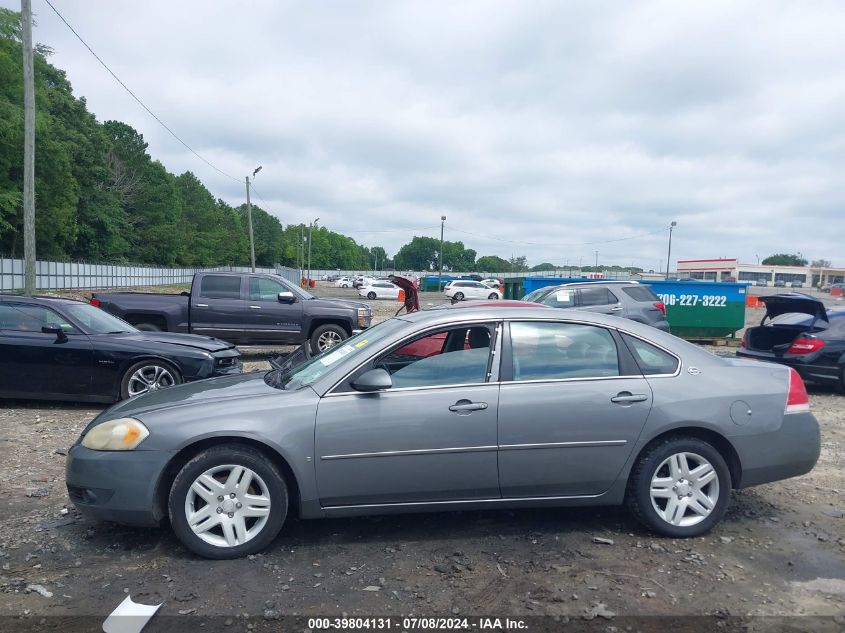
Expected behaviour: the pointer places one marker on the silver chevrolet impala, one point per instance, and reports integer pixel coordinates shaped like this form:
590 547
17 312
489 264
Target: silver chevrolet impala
480 407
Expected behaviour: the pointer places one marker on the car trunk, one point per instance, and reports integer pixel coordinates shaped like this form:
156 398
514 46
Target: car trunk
776 337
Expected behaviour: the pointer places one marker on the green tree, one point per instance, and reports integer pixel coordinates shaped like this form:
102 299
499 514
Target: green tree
543 266
422 253
493 264
784 259
821 263
518 264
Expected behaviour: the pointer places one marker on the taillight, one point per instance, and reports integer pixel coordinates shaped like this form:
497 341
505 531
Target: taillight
95 302
805 346
661 306
744 342
797 400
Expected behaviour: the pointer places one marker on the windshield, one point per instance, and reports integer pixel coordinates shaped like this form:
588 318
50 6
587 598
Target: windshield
312 370
536 294
96 321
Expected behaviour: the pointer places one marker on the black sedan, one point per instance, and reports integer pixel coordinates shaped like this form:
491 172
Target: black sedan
799 331
60 349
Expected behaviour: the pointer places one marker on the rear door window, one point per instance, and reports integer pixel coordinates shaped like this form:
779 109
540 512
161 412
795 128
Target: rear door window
598 296
564 298
651 359
220 287
554 351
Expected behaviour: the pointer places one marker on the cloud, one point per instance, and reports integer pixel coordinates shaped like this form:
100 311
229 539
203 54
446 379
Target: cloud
532 126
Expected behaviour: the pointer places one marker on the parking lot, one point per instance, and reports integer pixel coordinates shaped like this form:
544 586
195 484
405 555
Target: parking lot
780 550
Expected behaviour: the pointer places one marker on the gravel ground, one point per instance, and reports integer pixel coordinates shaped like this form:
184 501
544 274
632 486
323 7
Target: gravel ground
780 551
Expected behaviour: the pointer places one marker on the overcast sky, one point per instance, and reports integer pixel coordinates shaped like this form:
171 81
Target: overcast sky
535 127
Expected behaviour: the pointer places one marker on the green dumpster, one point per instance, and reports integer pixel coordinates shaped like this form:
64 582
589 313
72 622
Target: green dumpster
514 288
702 309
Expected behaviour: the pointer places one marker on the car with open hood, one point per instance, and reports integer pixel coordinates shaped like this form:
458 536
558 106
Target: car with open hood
515 408
799 331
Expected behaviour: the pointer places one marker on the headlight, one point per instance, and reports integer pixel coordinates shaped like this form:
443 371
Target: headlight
123 434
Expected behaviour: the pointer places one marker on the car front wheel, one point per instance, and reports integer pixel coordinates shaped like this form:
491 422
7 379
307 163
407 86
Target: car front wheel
679 487
371 295
227 502
146 376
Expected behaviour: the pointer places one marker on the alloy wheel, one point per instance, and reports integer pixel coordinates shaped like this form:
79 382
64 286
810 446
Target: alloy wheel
328 339
227 505
150 378
684 489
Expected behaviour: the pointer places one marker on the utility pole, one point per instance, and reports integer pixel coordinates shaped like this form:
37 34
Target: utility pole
440 276
249 218
301 250
28 149
597 261
669 253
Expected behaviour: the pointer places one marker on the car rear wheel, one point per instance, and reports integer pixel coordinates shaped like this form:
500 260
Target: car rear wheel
459 296
492 295
147 376
679 487
371 295
227 502
326 336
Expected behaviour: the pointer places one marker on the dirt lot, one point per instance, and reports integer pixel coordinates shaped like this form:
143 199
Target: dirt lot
780 551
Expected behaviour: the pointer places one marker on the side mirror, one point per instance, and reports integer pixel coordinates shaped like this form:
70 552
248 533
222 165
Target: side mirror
286 297
54 329
373 380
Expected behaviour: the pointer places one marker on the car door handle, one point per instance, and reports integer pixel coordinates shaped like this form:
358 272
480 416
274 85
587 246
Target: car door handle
626 397
201 305
616 309
465 406
254 307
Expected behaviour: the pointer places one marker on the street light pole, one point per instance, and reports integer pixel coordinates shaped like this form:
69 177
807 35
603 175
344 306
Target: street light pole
440 276
28 149
669 253
310 227
249 219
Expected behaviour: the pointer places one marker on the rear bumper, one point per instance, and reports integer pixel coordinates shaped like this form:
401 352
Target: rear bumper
790 451
823 374
117 486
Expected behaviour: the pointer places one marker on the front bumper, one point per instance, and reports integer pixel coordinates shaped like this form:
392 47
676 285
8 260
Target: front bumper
790 451
117 486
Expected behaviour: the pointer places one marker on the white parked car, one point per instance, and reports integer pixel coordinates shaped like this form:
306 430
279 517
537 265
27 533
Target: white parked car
460 290
491 283
343 282
379 290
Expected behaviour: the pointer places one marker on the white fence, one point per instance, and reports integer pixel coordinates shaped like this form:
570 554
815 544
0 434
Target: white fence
68 275
560 272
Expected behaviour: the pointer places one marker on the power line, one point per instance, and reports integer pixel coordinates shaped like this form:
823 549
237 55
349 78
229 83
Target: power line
134 96
501 239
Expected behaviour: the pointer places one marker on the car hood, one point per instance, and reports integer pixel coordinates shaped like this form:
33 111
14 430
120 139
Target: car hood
794 302
228 388
336 303
194 341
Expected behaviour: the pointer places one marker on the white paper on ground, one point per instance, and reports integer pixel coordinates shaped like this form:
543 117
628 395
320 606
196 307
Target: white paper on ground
129 617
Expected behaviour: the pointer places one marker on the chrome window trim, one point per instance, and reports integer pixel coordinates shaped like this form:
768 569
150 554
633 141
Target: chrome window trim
584 379
403 389
660 347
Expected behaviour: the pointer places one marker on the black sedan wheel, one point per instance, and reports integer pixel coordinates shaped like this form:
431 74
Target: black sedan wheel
680 487
227 502
146 376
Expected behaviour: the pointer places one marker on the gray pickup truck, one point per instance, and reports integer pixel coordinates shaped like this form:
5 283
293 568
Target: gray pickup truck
242 308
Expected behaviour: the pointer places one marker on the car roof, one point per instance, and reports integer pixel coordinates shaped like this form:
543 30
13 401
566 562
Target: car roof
38 299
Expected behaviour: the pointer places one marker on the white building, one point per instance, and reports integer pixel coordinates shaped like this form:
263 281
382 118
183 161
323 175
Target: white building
725 269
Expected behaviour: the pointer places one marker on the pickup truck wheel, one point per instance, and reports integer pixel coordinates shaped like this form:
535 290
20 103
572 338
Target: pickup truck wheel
326 336
227 502
148 327
146 376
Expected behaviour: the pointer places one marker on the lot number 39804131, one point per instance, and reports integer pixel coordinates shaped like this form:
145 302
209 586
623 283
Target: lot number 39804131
708 301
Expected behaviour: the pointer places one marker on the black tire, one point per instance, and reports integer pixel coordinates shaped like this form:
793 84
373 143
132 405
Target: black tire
458 296
371 295
329 329
235 455
148 327
150 362
638 496
493 295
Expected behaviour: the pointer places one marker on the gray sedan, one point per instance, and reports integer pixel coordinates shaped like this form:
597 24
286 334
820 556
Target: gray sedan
470 408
